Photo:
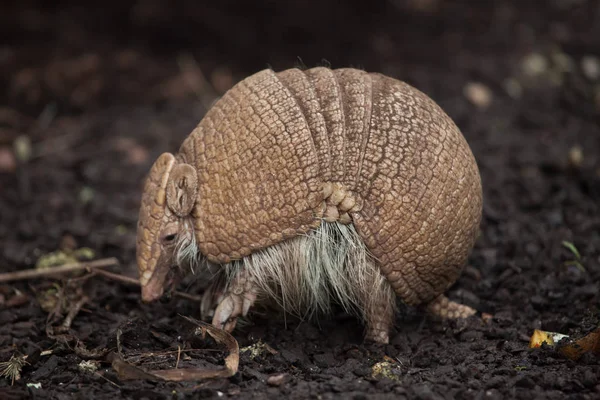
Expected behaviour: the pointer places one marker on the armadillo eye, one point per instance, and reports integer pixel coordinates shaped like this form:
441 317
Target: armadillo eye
169 238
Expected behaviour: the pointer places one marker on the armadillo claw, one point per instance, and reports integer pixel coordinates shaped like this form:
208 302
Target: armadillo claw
249 299
230 308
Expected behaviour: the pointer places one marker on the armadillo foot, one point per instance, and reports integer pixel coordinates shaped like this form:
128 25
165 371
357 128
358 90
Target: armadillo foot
379 318
378 334
445 308
236 301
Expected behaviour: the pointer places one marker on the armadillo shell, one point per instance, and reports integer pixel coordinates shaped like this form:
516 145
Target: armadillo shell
264 151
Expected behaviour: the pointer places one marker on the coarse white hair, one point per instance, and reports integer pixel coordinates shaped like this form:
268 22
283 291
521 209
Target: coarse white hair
305 275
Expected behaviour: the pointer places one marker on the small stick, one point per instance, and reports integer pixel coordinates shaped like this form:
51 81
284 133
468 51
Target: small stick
178 356
187 296
133 281
106 379
75 308
117 277
41 273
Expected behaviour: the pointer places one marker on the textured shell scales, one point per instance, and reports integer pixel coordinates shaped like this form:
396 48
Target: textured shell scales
265 149
258 173
422 192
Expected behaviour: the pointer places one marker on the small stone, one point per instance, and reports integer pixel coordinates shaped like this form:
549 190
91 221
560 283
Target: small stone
90 366
562 61
22 146
576 156
590 66
385 369
276 380
478 94
513 88
493 394
86 195
8 163
535 64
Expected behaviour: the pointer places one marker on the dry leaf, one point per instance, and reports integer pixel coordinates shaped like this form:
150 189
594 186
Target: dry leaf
587 344
127 371
572 349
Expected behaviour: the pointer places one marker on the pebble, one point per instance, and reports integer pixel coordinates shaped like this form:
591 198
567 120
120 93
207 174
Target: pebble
8 163
493 394
535 64
22 148
576 156
590 66
478 94
513 88
276 380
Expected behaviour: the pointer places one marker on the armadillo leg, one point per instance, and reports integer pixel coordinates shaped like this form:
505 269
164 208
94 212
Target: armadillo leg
236 301
379 322
379 308
445 308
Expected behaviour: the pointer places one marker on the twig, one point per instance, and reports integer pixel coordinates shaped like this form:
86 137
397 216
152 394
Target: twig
133 281
187 296
106 379
117 277
41 273
75 308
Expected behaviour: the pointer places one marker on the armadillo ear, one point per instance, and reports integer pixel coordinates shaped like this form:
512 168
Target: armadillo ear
182 188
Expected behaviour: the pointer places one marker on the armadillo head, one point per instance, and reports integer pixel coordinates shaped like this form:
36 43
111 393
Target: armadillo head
164 223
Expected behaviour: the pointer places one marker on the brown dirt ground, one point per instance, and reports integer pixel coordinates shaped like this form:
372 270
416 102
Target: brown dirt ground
101 90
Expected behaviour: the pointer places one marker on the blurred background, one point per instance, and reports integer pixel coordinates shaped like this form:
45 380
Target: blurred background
90 54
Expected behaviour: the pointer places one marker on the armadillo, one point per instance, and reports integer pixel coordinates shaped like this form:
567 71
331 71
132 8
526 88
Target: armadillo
315 188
